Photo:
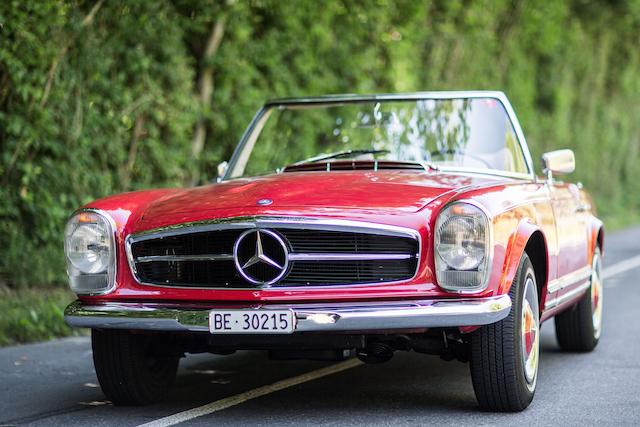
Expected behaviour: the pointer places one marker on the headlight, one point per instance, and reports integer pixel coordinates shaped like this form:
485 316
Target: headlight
90 250
462 247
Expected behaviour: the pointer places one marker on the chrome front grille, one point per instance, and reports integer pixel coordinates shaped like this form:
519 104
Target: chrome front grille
295 253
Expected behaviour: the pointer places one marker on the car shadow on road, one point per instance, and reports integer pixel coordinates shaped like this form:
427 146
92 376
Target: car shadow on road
410 384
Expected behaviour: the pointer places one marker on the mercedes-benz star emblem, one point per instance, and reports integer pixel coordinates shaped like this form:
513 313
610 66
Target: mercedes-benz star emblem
261 256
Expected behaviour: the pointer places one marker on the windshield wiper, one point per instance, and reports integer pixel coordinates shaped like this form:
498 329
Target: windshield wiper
338 155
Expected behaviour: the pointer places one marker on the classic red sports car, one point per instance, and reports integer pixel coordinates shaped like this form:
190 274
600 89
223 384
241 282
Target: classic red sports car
347 226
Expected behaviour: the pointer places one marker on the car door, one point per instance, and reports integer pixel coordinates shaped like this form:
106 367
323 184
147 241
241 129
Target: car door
571 233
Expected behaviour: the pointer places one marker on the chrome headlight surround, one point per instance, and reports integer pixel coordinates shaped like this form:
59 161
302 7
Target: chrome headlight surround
463 247
90 251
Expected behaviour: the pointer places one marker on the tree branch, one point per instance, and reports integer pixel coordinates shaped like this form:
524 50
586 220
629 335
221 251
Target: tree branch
138 132
88 20
50 76
205 88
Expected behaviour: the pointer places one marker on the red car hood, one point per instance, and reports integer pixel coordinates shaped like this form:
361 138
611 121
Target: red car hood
366 191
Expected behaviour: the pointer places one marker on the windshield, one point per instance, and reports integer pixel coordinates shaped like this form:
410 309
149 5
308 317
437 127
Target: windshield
473 133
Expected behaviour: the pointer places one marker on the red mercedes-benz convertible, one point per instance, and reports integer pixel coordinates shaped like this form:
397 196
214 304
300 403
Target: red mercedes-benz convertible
347 226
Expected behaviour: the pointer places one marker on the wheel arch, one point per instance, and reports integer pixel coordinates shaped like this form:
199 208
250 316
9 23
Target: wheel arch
599 240
536 249
595 236
529 239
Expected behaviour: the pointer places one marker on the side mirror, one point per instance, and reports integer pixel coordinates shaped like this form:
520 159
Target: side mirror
559 162
222 170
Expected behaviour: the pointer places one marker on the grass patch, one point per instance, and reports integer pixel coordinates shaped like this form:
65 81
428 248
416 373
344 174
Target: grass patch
29 315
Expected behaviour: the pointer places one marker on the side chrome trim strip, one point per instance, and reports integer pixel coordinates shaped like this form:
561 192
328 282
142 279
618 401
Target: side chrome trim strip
554 302
314 317
569 279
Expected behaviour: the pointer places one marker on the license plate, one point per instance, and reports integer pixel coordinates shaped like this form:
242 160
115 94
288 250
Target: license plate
251 321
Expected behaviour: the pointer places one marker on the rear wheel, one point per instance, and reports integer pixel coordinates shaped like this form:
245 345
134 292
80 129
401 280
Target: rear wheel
504 355
579 327
133 369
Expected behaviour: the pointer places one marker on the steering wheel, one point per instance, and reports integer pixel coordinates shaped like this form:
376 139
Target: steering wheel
453 151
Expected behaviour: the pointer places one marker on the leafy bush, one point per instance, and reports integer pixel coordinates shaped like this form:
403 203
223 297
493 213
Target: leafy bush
33 315
103 97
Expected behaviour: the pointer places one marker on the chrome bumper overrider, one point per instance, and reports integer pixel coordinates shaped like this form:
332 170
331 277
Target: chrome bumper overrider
365 316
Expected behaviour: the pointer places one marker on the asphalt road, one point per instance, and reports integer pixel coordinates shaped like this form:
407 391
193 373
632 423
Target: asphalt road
54 383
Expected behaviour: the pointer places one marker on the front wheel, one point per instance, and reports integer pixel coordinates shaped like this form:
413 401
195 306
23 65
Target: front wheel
578 328
133 369
504 355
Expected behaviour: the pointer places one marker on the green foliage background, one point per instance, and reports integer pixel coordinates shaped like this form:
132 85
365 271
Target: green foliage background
92 105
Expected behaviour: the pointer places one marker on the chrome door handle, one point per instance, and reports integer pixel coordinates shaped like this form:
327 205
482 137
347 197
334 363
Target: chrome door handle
583 207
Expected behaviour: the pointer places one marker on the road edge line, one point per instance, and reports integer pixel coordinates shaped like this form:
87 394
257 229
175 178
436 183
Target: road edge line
621 267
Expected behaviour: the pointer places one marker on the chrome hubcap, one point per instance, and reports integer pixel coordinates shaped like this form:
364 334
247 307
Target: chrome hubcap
530 332
596 296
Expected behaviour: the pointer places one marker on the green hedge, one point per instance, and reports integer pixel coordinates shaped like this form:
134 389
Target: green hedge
103 97
34 315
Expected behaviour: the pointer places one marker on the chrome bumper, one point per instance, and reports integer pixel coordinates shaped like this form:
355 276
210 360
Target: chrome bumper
338 317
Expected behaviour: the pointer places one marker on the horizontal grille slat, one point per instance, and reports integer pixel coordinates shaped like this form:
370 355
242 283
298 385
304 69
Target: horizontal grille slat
204 259
189 244
331 273
335 241
192 274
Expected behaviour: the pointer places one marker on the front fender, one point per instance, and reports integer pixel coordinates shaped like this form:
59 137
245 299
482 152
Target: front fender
126 208
516 245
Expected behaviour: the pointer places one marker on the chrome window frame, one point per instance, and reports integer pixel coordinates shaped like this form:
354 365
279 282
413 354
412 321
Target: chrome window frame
255 127
270 223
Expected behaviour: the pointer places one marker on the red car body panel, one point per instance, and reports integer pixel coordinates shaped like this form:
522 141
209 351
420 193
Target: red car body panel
346 193
412 199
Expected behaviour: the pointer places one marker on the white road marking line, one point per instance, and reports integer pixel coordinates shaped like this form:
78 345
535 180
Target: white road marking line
237 399
621 267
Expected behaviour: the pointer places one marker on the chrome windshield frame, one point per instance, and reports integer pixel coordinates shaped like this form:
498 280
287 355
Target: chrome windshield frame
245 145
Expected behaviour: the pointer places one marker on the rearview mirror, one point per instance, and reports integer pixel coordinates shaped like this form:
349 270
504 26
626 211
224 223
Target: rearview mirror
222 169
559 161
